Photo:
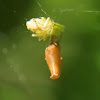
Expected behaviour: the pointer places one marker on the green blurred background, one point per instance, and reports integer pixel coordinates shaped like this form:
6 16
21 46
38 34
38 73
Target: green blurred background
24 74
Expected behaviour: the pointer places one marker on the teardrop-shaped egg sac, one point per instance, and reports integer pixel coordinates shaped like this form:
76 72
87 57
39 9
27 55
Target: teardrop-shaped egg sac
53 58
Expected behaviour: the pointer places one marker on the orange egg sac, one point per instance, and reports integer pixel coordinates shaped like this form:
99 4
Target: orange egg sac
53 58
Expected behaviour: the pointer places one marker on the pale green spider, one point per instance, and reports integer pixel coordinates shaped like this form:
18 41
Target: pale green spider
44 27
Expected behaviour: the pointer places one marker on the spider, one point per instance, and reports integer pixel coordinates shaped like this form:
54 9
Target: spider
44 27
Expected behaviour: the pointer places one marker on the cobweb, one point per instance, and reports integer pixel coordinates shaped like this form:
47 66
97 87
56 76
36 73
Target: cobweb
61 11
